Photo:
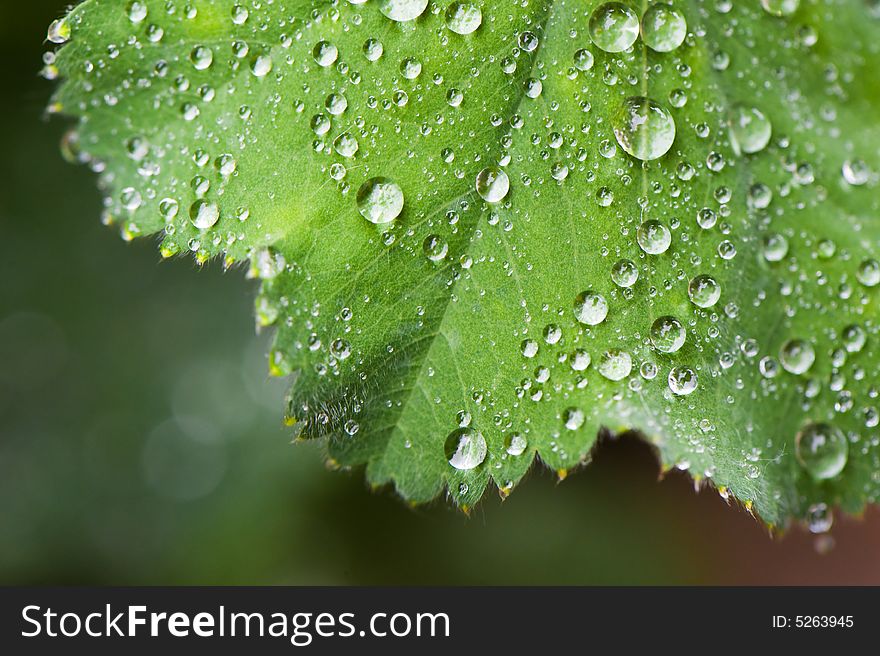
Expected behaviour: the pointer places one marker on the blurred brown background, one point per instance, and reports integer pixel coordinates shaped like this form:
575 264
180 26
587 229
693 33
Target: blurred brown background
140 441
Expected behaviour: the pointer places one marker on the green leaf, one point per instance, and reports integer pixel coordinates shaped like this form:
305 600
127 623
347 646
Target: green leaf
450 346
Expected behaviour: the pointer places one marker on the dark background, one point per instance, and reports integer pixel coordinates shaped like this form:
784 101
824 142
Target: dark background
141 442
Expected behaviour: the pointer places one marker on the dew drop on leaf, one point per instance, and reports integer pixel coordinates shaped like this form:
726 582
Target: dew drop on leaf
780 7
667 334
402 10
325 53
515 444
465 448
379 200
822 450
704 291
624 273
797 356
615 364
492 184
590 308
614 27
463 17
644 128
750 129
682 380
204 214
663 27
653 237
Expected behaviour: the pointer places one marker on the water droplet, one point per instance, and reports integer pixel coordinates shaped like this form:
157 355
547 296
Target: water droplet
583 59
654 238
682 380
624 273
667 334
819 518
201 57
465 448
590 308
379 200
704 291
856 172
345 144
780 7
239 15
137 11
573 418
775 247
529 348
797 356
204 214
261 65
403 10
580 360
614 27
515 444
59 31
528 41
373 49
492 184
463 17
435 248
663 27
854 338
868 273
410 68
336 103
822 449
615 364
644 128
750 130
325 53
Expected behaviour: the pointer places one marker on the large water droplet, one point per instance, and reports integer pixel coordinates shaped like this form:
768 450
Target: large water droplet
822 449
797 356
59 31
667 334
403 10
653 237
614 27
492 184
615 364
325 53
750 129
465 448
644 128
780 7
682 380
704 291
624 273
204 214
463 17
590 308
663 27
379 200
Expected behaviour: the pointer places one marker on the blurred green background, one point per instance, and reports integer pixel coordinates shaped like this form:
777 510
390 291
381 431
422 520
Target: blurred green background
141 441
